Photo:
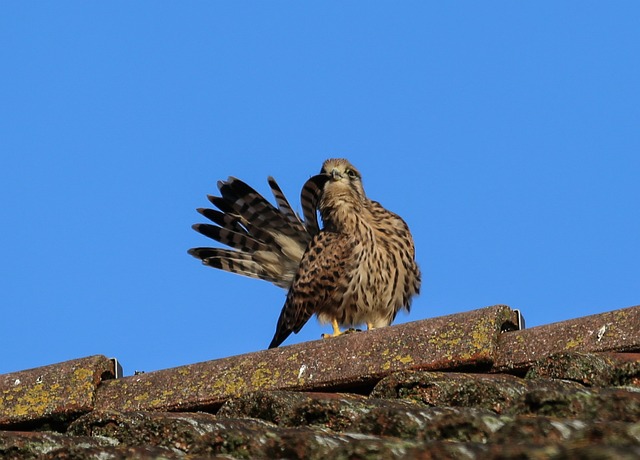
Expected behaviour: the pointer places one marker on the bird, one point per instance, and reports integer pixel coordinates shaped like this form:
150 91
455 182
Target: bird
358 269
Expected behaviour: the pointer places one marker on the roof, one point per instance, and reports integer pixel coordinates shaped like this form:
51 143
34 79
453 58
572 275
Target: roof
469 385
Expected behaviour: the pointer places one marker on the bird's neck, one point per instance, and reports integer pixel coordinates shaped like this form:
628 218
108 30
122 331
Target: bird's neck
341 214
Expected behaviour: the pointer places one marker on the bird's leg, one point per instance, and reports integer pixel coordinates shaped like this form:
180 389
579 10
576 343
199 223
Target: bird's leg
336 330
369 326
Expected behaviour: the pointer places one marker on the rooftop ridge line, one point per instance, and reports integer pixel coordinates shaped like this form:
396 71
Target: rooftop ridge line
613 331
472 341
468 339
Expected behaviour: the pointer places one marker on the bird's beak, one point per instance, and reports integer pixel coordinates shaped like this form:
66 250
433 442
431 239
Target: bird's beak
335 174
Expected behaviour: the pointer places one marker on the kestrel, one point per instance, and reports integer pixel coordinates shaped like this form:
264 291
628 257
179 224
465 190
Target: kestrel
359 269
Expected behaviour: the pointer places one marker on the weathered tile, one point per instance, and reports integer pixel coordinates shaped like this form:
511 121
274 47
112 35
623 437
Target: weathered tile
627 372
508 395
579 399
614 331
179 432
586 404
52 394
336 411
83 452
591 369
360 359
371 416
20 445
303 443
497 393
558 451
547 430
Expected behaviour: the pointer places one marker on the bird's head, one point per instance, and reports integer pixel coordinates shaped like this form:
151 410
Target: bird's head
343 177
343 187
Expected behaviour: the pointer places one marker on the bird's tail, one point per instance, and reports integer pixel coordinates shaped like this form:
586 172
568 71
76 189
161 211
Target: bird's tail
266 242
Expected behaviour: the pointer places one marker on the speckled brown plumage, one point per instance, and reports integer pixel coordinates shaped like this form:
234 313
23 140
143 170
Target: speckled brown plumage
359 269
266 242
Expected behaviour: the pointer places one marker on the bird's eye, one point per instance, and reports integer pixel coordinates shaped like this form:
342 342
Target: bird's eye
351 173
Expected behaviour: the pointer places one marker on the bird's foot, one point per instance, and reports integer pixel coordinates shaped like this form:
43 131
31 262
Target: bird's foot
329 336
336 330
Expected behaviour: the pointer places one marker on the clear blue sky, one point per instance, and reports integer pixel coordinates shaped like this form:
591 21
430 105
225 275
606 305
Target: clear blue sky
506 134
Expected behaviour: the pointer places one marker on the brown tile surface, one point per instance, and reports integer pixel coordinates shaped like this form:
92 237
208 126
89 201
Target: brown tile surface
428 390
617 330
367 415
20 445
353 360
51 393
508 395
590 369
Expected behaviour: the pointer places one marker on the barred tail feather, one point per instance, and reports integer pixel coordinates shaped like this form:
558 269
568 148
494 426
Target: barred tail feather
284 206
254 208
234 262
309 197
267 241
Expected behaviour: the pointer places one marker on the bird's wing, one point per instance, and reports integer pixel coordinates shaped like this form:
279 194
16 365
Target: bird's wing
326 262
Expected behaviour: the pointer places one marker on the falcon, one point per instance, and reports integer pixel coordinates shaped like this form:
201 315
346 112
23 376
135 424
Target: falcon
359 269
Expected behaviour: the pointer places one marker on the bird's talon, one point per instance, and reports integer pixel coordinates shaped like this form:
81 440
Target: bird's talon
330 336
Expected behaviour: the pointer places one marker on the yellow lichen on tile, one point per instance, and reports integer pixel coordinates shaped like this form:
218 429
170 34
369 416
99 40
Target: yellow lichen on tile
264 376
141 397
405 359
573 343
35 400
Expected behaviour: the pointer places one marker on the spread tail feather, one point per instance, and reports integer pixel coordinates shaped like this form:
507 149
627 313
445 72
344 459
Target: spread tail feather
268 241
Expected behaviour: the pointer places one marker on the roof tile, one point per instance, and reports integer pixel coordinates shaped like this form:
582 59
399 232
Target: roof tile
371 416
52 394
176 431
538 430
502 394
429 389
511 395
591 369
353 360
35 445
617 331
